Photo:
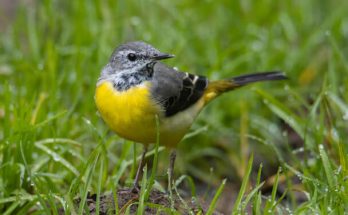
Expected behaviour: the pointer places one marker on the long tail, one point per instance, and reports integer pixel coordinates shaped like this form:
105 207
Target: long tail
216 88
263 76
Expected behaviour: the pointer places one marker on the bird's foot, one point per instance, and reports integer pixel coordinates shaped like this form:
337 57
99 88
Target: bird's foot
136 188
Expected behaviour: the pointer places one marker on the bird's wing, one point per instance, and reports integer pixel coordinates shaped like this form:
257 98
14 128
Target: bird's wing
174 90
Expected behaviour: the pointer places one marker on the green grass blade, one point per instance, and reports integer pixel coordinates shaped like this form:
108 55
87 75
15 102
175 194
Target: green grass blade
216 197
10 209
87 185
57 158
330 176
237 204
155 162
143 192
283 112
271 202
251 195
99 186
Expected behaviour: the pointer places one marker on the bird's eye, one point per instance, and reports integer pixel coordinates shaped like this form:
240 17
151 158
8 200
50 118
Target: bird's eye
131 57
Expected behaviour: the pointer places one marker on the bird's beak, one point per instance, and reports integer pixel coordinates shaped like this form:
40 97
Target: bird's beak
162 56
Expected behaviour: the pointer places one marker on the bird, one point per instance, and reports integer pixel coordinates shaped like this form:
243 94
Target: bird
138 97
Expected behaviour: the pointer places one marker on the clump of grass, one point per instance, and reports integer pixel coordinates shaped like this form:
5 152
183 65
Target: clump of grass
54 147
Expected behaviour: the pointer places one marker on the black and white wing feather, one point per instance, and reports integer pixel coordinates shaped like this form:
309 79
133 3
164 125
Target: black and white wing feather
176 91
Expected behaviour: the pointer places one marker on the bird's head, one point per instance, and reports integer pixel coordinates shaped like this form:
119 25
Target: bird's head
134 56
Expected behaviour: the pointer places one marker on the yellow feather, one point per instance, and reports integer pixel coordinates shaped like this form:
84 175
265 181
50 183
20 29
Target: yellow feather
216 88
130 114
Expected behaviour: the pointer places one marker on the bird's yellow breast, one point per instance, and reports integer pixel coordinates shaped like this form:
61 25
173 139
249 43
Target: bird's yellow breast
131 113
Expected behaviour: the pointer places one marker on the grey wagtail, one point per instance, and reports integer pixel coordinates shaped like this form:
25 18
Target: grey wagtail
135 89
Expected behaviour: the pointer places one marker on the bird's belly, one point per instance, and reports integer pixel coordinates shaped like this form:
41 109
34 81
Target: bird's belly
175 127
130 114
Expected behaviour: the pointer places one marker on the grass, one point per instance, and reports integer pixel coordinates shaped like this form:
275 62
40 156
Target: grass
54 146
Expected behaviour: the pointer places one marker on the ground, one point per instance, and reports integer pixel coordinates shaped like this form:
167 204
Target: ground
127 197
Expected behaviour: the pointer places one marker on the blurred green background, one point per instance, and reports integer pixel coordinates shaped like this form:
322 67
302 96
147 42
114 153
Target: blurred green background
52 139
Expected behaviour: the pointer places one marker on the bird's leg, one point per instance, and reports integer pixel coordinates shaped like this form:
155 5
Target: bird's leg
171 169
140 167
